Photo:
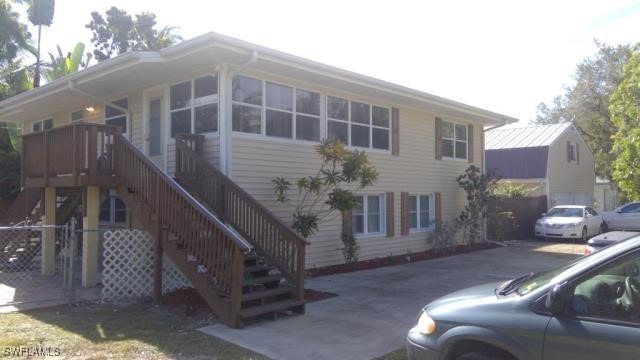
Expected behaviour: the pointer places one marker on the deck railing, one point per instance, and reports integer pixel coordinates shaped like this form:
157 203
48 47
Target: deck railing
71 155
264 230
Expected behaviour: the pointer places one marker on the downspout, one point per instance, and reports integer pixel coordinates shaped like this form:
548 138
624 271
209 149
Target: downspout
73 88
226 135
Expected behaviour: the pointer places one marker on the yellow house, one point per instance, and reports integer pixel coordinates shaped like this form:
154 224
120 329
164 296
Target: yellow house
224 117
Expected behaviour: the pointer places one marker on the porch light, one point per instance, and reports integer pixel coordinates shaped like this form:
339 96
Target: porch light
90 109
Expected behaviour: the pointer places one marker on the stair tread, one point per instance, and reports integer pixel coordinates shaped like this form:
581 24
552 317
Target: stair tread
259 267
262 280
269 308
254 295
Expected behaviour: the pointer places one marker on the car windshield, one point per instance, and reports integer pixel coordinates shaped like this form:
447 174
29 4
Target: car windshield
565 212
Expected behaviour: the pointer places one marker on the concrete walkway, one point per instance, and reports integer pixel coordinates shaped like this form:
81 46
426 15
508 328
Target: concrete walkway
375 308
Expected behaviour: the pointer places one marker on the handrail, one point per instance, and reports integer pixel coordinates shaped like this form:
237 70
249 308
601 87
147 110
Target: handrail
228 182
244 245
284 248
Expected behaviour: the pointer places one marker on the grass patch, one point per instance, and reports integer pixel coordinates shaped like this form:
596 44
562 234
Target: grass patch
139 331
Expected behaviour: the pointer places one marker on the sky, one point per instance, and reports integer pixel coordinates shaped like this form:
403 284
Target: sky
503 56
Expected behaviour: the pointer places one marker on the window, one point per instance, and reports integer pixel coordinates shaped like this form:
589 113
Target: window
631 208
358 124
113 211
421 212
194 106
368 215
454 140
288 112
573 152
115 117
42 125
77 115
609 292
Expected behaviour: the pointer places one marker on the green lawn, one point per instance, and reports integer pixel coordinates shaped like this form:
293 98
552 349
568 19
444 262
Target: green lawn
139 331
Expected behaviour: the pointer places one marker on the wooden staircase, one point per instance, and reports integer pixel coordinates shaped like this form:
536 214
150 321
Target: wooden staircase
240 258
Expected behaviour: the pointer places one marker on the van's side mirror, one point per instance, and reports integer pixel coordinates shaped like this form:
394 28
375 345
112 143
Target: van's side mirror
556 299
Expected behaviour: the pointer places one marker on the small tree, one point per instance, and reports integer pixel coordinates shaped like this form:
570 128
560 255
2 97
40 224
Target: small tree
339 168
479 188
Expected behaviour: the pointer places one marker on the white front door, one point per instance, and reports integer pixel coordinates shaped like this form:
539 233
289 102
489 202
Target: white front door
154 138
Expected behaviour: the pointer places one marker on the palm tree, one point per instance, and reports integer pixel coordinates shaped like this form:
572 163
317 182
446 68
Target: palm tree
66 64
40 13
14 36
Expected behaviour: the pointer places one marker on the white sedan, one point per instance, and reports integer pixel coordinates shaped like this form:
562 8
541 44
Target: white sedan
570 222
626 217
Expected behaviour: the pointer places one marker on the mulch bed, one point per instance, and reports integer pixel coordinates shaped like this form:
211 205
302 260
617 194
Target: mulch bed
398 259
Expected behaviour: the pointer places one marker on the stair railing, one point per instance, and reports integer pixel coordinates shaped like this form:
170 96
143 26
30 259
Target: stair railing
195 228
265 231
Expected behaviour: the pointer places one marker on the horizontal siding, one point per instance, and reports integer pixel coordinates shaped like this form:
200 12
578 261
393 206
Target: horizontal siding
257 160
566 177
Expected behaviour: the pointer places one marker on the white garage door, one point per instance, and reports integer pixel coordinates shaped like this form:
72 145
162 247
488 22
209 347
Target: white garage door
563 199
583 198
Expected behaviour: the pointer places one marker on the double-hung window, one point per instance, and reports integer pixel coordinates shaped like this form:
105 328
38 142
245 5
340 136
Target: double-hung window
368 215
42 125
194 106
116 117
358 124
573 152
421 212
454 140
286 112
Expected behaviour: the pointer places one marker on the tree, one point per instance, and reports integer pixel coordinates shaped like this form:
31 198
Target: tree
586 104
625 115
70 63
479 188
14 36
119 33
328 191
40 13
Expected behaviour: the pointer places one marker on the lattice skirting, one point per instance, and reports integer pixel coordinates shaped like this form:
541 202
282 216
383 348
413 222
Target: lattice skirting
129 265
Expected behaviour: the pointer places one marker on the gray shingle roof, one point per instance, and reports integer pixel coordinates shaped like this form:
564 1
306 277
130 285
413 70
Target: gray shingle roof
523 137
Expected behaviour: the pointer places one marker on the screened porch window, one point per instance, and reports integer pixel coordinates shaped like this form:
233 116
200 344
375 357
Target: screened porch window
194 106
115 117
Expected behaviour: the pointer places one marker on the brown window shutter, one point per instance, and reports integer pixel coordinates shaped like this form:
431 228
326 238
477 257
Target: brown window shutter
577 153
438 206
470 142
568 151
404 213
395 131
390 215
347 226
438 139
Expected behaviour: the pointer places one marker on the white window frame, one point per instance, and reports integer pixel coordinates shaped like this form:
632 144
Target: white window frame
573 153
126 114
112 211
193 103
365 214
263 112
454 140
349 122
84 115
41 122
419 226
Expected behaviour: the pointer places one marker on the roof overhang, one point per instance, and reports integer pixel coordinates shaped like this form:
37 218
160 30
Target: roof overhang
143 69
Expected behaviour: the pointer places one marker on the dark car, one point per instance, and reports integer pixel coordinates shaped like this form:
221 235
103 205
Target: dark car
603 240
587 310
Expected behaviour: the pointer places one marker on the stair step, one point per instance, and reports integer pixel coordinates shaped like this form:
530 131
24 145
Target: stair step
262 280
270 308
256 268
255 295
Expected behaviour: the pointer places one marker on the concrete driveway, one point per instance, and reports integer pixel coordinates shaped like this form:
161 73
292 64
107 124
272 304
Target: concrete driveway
375 308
